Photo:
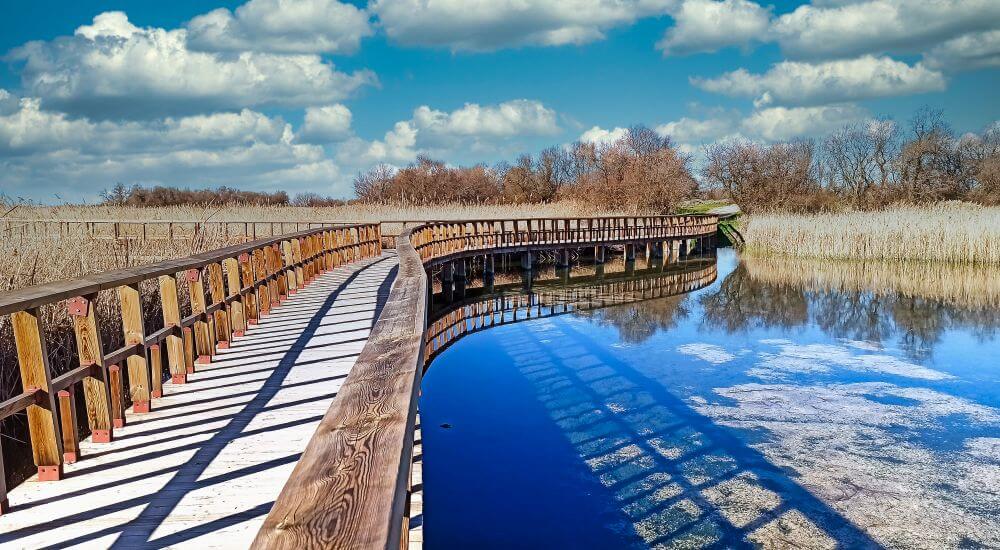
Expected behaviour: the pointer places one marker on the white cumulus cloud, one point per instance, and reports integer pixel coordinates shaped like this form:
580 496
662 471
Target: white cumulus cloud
971 51
325 124
708 25
43 153
786 123
285 26
485 25
800 83
879 26
601 137
115 69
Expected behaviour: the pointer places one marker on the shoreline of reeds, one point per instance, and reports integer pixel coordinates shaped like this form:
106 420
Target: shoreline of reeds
959 233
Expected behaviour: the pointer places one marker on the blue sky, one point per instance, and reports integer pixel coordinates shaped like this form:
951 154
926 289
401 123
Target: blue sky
302 95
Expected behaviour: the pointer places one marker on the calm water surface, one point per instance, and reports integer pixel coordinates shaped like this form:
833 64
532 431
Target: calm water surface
789 403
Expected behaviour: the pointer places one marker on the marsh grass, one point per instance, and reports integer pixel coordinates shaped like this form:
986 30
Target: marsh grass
947 232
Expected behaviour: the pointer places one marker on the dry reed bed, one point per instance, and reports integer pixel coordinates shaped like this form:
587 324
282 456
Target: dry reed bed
962 285
949 232
350 212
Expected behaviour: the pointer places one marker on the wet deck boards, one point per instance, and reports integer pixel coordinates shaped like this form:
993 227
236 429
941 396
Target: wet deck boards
204 467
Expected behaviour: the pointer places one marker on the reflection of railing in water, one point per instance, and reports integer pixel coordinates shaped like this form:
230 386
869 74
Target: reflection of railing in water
499 308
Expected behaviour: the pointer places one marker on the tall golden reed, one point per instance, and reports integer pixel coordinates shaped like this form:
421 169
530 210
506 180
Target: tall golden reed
947 232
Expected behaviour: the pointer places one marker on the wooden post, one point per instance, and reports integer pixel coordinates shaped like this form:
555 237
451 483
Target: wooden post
67 422
117 403
289 261
188 339
90 351
135 335
563 258
43 427
262 292
172 318
202 335
156 371
223 329
237 312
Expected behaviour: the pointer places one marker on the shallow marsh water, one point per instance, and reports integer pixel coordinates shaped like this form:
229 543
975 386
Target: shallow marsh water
788 403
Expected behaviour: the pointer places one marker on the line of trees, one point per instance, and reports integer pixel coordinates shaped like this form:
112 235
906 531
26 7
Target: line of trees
864 166
642 170
135 195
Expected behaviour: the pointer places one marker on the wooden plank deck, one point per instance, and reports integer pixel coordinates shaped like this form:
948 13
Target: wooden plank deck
204 467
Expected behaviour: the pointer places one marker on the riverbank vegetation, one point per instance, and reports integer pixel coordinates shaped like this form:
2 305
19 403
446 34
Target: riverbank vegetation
946 232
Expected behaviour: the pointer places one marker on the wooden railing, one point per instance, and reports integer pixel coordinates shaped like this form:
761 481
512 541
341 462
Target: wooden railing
442 240
148 230
504 307
243 283
350 488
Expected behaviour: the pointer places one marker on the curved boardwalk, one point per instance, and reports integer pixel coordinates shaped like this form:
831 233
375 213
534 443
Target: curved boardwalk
204 467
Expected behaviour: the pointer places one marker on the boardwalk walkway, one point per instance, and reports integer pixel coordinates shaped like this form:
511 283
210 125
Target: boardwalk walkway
204 467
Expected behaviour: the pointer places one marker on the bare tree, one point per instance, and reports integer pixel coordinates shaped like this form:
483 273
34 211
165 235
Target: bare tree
761 177
375 184
860 161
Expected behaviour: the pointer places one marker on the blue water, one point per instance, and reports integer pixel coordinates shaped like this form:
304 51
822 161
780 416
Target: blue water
760 410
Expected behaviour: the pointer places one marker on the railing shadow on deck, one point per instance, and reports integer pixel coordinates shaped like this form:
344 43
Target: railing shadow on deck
189 477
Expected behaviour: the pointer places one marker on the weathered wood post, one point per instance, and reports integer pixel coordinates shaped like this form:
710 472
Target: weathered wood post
527 260
630 253
90 352
117 397
67 422
155 371
237 310
216 286
599 254
202 334
135 335
43 426
289 266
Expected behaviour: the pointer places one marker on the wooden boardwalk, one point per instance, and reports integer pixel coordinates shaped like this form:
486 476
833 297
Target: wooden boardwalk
203 469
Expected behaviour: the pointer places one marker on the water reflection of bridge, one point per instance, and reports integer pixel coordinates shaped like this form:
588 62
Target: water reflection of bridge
495 305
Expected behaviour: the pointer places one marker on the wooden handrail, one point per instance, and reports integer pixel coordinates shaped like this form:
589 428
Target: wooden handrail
349 488
351 484
244 281
588 293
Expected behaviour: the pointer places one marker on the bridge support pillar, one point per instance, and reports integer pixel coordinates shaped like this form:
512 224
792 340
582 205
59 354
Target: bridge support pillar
599 254
489 272
682 249
656 250
527 260
563 274
459 267
630 253
562 258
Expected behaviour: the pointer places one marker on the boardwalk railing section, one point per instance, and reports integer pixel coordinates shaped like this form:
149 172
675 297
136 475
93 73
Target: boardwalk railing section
500 308
228 290
350 488
149 230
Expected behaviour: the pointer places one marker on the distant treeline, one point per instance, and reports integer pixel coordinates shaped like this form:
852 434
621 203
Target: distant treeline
861 166
136 195
642 170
